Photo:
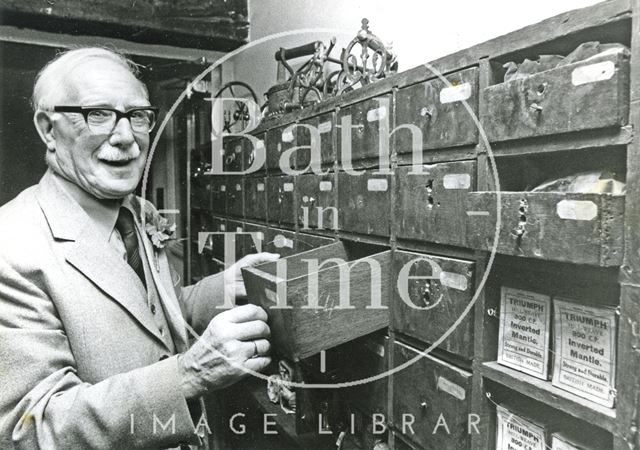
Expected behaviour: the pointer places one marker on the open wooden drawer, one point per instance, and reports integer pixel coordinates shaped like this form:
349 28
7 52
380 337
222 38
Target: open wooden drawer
576 228
302 296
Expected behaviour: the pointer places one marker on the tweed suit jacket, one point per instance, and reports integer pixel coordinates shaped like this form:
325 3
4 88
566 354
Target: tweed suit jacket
82 363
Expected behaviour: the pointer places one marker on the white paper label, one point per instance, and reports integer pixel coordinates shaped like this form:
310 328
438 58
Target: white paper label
585 355
288 187
374 115
222 227
324 127
455 93
451 388
223 188
260 187
577 210
377 185
523 342
453 280
558 443
457 181
326 186
287 136
593 73
517 433
238 187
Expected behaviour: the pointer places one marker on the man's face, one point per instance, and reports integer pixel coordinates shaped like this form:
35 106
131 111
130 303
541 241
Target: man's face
105 165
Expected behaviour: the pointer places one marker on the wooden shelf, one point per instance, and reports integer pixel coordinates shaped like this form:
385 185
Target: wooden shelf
550 395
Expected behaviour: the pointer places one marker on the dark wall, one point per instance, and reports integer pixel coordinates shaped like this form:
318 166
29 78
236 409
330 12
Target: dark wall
21 151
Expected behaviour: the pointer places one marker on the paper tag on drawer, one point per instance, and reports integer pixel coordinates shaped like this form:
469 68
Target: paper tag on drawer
457 181
288 187
287 136
222 227
260 187
374 115
324 127
223 188
451 388
280 242
377 185
326 185
455 93
593 73
238 148
453 280
238 187
577 210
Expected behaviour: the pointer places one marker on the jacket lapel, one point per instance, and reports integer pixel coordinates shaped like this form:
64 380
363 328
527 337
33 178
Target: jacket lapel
93 258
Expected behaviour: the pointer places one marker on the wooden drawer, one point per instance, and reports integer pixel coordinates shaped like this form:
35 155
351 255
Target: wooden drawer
219 194
279 140
369 357
235 193
364 203
300 331
575 228
314 192
249 152
280 202
580 96
431 206
255 197
233 154
216 242
201 192
366 117
324 124
438 110
427 390
446 296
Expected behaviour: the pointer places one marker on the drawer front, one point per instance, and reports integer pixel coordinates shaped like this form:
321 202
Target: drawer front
313 192
425 391
325 126
580 96
235 226
233 154
201 192
575 228
219 194
280 203
279 140
441 298
217 224
432 206
438 110
366 117
369 357
255 201
364 203
249 152
235 193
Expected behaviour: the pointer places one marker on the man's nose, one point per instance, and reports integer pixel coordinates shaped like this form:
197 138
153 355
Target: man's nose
122 134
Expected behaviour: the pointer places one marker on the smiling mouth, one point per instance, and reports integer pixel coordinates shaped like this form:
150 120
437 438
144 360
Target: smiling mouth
117 163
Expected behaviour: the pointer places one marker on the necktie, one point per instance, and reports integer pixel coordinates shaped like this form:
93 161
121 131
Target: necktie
125 225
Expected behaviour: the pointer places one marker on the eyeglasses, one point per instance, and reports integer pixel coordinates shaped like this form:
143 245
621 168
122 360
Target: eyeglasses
103 120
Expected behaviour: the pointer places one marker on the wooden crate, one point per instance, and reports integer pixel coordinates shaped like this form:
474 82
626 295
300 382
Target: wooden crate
298 332
364 203
432 206
443 300
577 228
438 110
427 390
581 96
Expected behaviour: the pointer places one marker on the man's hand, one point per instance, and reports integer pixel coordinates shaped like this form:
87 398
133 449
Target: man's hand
233 282
235 339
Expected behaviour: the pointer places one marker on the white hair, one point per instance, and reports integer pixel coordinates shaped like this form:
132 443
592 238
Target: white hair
49 87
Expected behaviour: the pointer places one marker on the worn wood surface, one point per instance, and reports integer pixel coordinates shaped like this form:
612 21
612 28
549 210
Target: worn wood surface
427 401
301 332
543 233
233 154
219 194
361 208
235 195
280 200
255 200
444 122
325 124
369 357
432 206
366 117
550 103
312 192
214 24
445 303
275 145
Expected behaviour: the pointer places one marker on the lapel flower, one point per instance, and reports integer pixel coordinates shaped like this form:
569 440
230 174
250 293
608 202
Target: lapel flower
159 229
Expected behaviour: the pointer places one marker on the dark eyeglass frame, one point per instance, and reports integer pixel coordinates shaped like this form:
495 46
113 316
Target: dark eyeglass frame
86 110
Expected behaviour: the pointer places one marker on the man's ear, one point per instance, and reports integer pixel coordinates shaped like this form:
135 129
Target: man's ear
44 125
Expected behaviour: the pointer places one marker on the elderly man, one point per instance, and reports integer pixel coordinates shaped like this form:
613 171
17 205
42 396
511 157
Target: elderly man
93 336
